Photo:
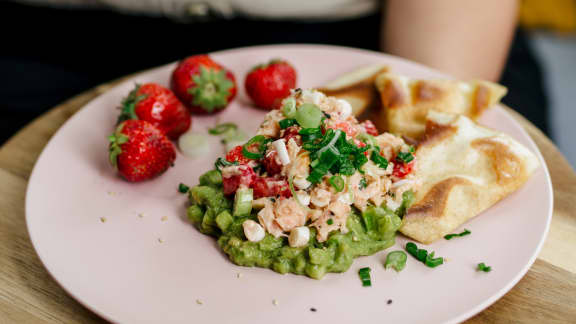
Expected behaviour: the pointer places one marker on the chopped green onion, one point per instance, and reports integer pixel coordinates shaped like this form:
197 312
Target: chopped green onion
222 128
483 267
405 157
261 140
451 236
221 162
330 221
337 182
182 188
412 149
285 123
379 160
289 107
423 256
309 115
396 260
364 275
363 184
433 262
407 200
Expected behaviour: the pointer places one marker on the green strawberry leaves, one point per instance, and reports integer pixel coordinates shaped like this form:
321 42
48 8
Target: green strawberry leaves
114 148
211 89
129 105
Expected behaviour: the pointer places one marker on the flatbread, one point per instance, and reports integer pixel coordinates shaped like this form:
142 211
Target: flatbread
464 169
356 87
407 101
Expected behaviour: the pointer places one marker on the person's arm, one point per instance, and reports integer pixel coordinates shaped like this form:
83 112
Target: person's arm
465 38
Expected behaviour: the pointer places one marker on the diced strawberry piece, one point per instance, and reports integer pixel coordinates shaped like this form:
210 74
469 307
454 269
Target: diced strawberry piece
235 155
272 163
402 169
370 128
293 132
271 187
236 176
346 127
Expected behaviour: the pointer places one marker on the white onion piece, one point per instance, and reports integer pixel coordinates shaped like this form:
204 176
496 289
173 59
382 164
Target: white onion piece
280 147
299 236
194 144
254 232
303 197
345 108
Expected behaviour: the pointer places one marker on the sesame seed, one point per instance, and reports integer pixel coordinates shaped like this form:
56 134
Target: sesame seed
141 215
160 240
238 275
355 239
199 302
389 301
164 218
103 219
312 309
275 302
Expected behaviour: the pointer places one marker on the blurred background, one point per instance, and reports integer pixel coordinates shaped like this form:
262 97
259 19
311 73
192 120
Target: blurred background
52 50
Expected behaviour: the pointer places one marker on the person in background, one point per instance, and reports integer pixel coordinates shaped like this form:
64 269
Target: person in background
54 49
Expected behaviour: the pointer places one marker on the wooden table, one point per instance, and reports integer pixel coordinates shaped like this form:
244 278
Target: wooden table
547 294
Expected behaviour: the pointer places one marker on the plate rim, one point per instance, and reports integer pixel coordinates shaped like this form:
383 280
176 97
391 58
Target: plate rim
130 78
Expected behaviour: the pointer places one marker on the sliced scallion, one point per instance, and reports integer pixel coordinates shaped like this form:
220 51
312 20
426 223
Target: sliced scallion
309 115
396 260
451 236
483 267
222 128
337 182
258 141
289 107
285 123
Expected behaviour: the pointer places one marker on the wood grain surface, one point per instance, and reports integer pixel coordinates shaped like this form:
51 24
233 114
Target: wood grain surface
547 294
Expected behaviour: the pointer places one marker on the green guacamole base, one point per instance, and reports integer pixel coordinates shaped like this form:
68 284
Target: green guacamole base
368 232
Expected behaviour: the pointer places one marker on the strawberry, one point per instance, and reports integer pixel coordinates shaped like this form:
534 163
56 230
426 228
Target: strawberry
158 105
205 86
268 84
140 151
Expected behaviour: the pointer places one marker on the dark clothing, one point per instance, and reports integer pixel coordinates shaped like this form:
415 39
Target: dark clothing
48 55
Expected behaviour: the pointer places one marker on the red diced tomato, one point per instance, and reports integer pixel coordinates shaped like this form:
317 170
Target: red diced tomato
292 132
346 127
235 155
271 187
402 169
272 164
370 128
244 176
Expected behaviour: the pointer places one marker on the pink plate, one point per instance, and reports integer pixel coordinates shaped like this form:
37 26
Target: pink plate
146 264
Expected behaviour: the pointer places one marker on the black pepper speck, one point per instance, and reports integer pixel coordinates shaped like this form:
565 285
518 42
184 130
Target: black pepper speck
389 301
313 309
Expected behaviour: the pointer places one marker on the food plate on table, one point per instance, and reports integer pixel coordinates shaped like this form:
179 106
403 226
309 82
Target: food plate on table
127 252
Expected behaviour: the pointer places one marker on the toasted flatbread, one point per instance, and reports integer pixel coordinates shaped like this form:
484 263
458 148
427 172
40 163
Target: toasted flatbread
464 168
357 87
407 101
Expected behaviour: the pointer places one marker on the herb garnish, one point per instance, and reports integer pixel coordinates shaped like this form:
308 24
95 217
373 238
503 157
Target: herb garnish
483 267
330 221
423 256
331 153
451 236
285 123
405 157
